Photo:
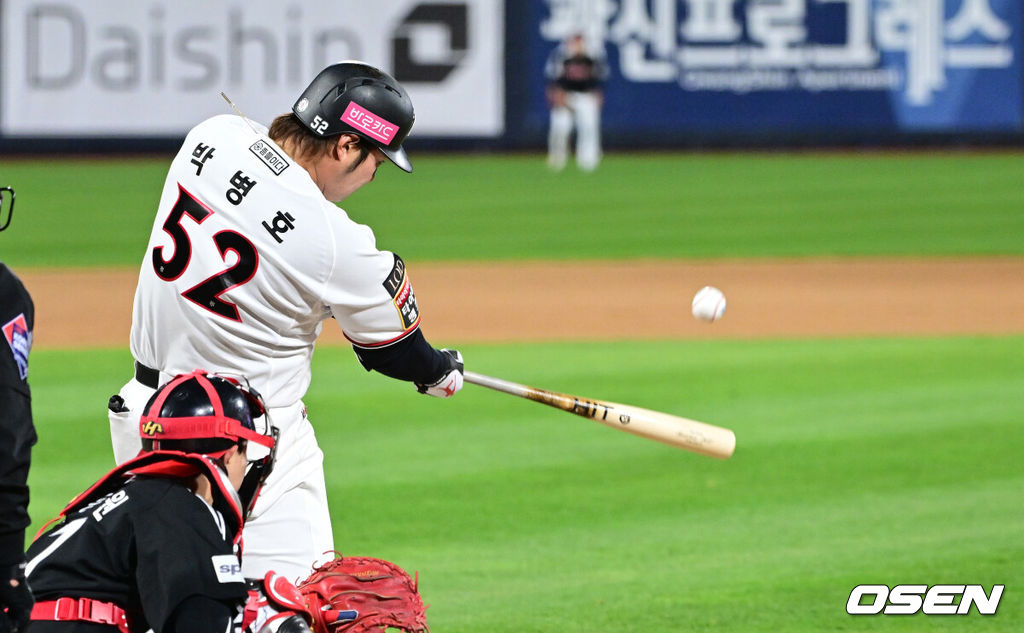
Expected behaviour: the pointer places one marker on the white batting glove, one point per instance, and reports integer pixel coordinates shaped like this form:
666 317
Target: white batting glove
450 382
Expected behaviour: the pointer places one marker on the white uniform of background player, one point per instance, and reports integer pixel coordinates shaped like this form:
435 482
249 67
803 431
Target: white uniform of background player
249 256
575 75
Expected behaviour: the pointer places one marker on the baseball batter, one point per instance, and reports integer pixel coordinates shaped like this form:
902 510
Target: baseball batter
575 75
249 256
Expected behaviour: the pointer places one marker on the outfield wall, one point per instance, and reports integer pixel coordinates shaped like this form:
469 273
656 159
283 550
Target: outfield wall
133 76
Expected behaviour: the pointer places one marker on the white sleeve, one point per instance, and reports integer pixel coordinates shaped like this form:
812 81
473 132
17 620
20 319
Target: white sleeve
369 292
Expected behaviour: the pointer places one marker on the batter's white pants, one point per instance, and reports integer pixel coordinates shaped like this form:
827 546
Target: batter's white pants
583 109
289 529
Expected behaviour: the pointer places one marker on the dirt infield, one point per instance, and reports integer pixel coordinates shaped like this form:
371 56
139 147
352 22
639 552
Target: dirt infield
545 301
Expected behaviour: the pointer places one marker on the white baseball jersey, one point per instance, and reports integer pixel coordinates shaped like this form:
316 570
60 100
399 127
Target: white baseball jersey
247 259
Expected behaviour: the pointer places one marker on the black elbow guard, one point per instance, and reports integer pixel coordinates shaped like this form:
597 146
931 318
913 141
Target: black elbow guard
412 359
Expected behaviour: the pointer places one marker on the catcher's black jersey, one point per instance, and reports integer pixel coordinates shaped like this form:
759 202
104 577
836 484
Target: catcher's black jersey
17 434
145 547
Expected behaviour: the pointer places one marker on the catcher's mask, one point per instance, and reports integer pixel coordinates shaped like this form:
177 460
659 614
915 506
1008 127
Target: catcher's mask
208 414
356 98
6 221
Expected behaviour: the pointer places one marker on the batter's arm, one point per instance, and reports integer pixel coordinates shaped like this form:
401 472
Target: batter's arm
412 359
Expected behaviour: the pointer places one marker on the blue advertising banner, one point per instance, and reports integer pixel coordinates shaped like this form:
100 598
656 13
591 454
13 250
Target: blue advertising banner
809 67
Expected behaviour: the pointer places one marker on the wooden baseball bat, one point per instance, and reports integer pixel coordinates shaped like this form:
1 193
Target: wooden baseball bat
673 430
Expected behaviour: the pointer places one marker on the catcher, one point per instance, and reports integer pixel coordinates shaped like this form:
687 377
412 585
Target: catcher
156 543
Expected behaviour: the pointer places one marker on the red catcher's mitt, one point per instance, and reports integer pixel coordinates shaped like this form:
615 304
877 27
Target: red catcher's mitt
358 594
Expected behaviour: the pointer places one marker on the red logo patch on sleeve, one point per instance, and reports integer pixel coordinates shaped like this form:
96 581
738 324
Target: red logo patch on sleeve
20 341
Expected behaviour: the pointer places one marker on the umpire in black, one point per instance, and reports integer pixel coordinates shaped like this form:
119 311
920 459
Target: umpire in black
17 436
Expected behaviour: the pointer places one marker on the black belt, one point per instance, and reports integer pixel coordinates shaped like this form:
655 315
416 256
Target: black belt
147 375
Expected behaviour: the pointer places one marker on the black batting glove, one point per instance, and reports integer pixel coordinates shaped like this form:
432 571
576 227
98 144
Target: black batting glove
15 599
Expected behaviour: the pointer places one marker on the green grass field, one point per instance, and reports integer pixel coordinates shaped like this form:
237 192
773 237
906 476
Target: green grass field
859 461
872 460
664 205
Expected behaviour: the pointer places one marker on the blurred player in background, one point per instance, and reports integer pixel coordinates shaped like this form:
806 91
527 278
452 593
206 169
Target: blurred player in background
249 255
575 77
17 436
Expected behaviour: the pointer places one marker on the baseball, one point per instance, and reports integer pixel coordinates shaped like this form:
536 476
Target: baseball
709 304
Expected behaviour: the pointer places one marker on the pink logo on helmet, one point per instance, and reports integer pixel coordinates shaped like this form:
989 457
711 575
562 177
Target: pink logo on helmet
374 126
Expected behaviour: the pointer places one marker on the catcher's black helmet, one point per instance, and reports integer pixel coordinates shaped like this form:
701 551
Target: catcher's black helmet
357 98
208 414
202 413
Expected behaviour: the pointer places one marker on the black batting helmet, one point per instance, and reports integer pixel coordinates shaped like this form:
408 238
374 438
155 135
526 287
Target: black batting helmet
202 413
357 98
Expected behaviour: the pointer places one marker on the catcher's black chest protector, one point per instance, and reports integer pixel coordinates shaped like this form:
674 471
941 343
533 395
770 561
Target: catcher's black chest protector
144 545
